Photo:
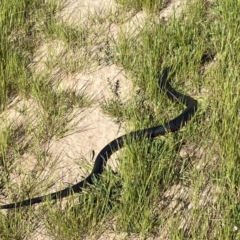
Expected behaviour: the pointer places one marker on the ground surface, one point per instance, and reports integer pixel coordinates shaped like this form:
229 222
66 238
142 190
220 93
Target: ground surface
92 127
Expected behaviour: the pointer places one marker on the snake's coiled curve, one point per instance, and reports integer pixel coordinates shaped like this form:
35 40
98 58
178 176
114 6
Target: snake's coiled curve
101 159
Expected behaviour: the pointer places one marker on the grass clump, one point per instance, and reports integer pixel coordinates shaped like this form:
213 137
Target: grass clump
144 5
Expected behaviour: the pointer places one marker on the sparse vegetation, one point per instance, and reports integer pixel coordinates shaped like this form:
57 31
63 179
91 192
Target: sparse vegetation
182 186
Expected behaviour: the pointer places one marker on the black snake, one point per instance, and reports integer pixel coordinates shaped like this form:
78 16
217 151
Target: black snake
101 159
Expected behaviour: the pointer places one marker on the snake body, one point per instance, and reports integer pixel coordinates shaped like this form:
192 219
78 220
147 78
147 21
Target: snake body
101 159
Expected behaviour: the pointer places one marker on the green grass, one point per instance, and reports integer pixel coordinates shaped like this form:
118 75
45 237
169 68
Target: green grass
181 186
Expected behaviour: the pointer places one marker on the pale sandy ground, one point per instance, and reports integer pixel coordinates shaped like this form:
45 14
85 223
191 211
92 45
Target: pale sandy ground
93 129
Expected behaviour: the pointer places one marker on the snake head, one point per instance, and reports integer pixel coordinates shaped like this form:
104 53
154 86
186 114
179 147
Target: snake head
162 77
